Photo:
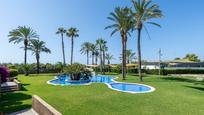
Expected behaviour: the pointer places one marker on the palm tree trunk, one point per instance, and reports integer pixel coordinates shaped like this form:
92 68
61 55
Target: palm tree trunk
63 50
92 59
104 61
38 63
124 56
87 56
101 61
139 54
72 48
25 56
96 60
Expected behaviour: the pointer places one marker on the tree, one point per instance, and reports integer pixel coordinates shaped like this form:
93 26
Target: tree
22 34
109 57
122 23
100 43
104 50
59 66
144 12
72 33
130 56
94 49
96 57
177 58
62 31
192 57
37 47
85 49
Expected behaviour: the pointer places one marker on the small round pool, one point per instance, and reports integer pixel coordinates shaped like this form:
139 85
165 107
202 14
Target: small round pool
112 84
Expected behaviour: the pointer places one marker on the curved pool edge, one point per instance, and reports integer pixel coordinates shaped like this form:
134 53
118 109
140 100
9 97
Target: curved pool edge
48 82
113 80
109 86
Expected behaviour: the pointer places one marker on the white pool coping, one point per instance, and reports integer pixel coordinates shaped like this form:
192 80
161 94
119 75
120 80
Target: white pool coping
109 86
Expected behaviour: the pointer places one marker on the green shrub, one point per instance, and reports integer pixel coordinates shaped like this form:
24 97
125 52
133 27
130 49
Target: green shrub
13 73
117 69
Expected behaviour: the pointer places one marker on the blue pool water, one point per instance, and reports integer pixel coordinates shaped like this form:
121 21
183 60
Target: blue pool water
119 86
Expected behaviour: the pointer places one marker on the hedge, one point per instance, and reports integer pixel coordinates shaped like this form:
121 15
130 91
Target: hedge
13 73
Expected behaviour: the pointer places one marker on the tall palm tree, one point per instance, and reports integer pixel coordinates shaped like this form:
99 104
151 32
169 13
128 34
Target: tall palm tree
104 50
100 43
72 33
62 31
109 57
37 47
85 49
122 23
94 49
22 34
145 10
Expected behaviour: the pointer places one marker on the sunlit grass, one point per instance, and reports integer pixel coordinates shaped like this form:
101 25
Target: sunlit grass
173 95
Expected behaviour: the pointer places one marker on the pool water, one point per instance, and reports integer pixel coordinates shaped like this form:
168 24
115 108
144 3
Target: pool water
118 86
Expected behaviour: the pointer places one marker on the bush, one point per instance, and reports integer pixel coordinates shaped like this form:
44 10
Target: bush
117 69
13 73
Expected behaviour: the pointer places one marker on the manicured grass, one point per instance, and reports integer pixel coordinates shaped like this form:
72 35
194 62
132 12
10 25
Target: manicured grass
173 95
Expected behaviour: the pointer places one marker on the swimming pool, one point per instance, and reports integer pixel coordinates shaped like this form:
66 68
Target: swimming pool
109 81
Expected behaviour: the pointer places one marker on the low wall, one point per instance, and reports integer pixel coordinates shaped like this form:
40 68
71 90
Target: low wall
18 84
43 108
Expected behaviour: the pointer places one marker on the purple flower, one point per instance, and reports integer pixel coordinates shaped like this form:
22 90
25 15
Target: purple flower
4 72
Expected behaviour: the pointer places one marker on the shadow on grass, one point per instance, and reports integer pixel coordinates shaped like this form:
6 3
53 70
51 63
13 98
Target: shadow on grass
41 74
198 88
12 102
23 87
179 79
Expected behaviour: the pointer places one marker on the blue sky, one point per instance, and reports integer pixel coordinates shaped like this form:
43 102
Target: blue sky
182 28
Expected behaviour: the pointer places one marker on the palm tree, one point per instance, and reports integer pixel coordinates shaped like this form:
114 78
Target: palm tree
122 23
96 57
100 43
130 55
109 57
62 31
37 47
104 50
144 12
85 49
93 51
72 33
22 34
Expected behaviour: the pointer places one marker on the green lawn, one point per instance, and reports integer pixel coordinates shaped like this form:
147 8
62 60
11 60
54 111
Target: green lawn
178 96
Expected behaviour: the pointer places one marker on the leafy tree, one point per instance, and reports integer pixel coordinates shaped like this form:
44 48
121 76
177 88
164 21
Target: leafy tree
72 33
37 47
122 23
192 57
85 49
144 11
62 31
177 58
59 66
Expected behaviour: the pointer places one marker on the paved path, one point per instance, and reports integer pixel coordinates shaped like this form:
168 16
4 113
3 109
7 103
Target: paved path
25 112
